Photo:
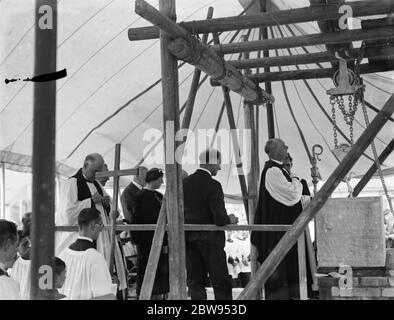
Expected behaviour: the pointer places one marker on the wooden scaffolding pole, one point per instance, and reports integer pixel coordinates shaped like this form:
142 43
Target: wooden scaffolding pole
365 179
252 156
268 86
234 140
114 207
314 39
157 242
316 73
44 140
174 190
194 85
154 254
187 48
301 223
310 58
299 15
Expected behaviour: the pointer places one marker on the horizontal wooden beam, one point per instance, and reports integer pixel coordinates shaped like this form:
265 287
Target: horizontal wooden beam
373 23
310 73
187 48
311 58
307 40
188 227
305 14
126 172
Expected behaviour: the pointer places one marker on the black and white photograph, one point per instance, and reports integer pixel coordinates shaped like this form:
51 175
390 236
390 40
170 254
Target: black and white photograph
191 156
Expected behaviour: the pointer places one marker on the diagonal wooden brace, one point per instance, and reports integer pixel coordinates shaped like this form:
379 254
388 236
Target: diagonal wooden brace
299 226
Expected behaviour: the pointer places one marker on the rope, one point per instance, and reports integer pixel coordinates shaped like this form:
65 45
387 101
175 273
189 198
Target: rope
292 112
375 154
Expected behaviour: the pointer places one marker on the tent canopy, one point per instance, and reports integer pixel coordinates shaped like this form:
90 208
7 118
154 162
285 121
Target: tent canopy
112 92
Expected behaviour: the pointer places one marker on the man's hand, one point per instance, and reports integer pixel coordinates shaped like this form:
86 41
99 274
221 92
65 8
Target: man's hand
233 219
96 198
106 200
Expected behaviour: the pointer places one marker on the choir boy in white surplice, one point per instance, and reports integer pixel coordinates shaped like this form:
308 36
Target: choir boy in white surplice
20 271
83 191
88 276
9 289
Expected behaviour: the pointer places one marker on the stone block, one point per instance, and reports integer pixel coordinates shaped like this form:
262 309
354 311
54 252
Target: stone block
390 258
367 292
350 232
373 282
388 292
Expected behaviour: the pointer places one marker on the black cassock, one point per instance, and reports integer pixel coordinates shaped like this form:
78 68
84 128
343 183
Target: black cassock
284 282
148 204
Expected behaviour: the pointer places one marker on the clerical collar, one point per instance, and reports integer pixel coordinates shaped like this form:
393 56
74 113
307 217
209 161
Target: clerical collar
85 238
137 184
203 169
278 162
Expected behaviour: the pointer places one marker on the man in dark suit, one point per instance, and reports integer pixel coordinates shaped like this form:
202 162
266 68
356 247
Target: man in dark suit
204 204
129 194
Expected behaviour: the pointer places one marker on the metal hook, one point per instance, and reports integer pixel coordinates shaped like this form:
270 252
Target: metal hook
315 153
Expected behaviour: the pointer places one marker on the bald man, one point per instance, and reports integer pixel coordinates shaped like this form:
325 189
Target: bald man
280 202
82 191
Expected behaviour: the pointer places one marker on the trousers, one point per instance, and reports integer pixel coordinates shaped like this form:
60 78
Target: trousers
203 259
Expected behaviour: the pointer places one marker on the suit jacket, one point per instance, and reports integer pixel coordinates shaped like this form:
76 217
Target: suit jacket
204 204
128 201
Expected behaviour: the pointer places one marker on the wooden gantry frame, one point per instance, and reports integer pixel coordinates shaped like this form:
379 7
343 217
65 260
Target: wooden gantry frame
178 42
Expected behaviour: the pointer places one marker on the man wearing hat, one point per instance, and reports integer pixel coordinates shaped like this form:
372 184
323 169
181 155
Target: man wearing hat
204 204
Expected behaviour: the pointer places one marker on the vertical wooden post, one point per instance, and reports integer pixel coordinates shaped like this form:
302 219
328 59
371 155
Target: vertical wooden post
268 87
174 190
195 83
44 124
114 207
302 267
2 190
252 158
234 138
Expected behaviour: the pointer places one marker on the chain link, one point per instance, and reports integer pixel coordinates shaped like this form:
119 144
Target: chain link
334 121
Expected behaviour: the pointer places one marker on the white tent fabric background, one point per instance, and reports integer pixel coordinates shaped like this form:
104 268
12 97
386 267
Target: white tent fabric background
106 70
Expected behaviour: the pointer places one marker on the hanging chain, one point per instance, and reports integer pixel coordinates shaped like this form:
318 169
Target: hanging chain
375 154
334 121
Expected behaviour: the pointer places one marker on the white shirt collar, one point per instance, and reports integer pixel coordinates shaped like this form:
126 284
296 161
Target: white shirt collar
2 267
137 184
281 163
85 238
203 169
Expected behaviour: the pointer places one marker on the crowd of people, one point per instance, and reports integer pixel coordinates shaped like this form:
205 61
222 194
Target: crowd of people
81 266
